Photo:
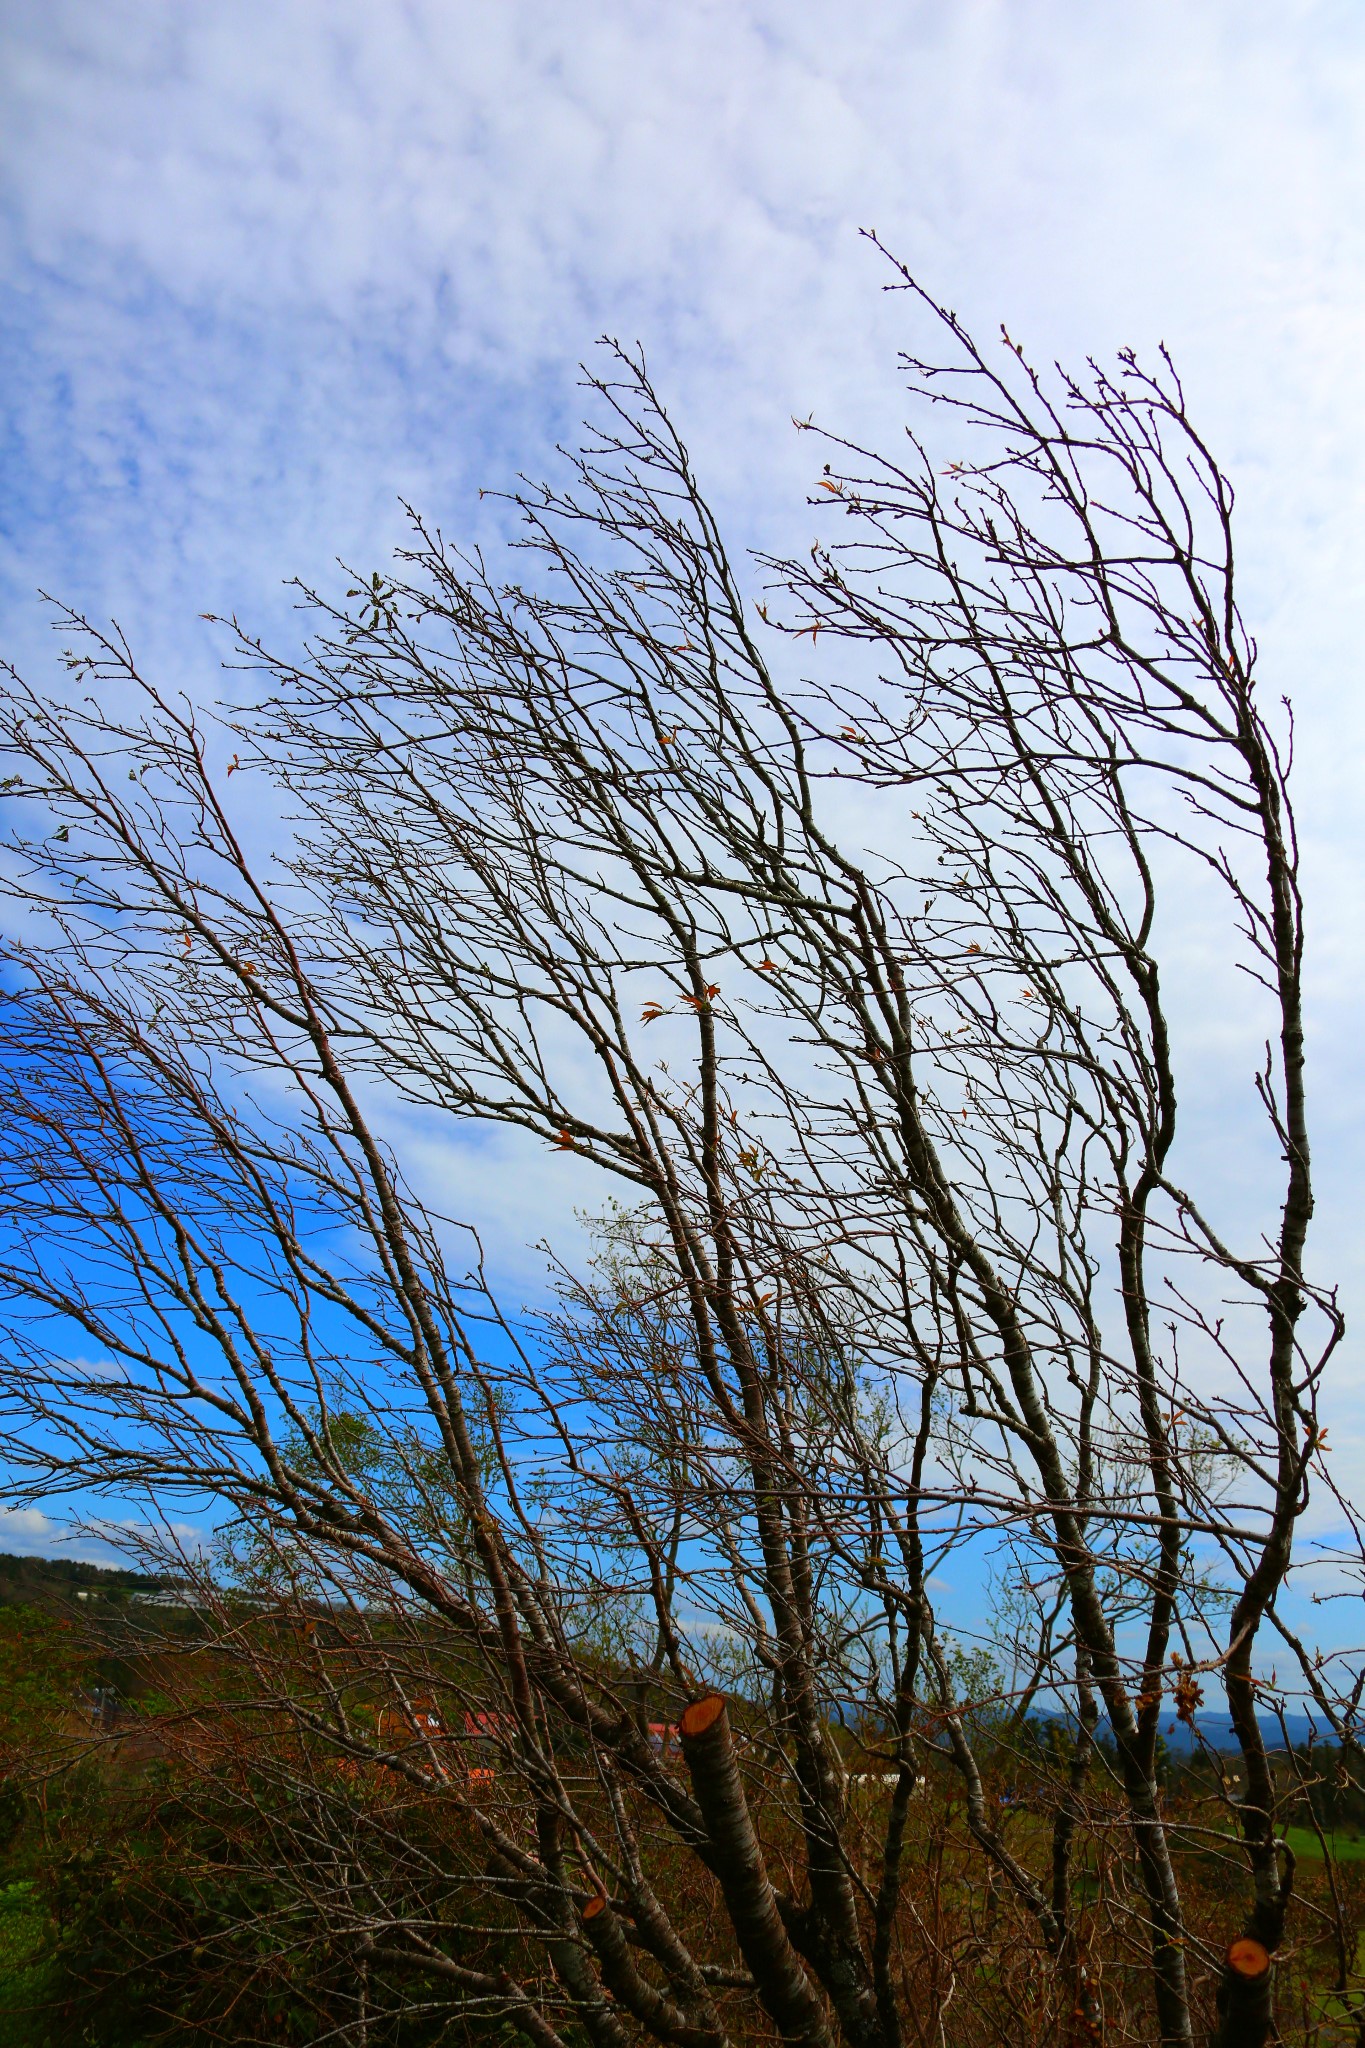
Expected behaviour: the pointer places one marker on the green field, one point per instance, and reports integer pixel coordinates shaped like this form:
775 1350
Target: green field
1307 1847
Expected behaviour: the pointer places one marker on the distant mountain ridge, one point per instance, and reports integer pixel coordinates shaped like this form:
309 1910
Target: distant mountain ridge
1217 1731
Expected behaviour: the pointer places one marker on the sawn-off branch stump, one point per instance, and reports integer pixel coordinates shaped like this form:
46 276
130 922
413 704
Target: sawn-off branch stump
737 1860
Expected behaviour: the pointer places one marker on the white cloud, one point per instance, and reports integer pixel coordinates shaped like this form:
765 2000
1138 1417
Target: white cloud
28 1532
286 219
26 1526
98 1539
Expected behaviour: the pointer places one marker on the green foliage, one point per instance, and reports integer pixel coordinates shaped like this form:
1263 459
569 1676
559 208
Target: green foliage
406 1474
145 1904
149 1918
23 1965
42 1660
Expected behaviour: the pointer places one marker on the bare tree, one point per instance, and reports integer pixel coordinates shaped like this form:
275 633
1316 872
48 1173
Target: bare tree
909 1274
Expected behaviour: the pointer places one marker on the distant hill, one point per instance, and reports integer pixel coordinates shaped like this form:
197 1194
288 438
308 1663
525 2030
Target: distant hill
57 1581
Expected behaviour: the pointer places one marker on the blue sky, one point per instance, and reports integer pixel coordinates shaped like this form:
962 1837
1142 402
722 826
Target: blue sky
267 267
